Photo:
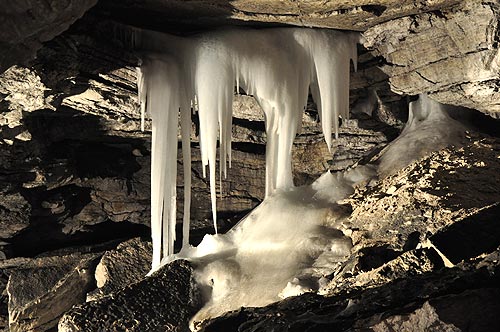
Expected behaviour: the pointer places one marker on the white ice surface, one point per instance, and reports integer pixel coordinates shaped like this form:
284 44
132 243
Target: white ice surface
291 241
282 248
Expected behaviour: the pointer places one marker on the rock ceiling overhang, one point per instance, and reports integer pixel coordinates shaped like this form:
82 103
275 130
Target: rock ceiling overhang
339 14
468 59
25 24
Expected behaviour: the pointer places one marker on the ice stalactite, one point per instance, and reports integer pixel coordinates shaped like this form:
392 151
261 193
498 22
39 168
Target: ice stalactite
164 75
277 66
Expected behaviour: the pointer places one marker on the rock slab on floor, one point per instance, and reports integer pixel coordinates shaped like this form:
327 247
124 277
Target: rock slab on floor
125 265
40 290
165 301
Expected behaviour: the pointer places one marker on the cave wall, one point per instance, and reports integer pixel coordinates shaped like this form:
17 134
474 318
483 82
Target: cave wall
74 159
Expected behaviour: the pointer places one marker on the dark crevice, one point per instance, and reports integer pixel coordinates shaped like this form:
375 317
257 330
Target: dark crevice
80 140
376 10
258 126
94 159
259 149
44 237
373 257
56 204
425 78
101 79
470 237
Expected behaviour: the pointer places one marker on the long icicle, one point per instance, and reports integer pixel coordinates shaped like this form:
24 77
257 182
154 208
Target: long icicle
186 161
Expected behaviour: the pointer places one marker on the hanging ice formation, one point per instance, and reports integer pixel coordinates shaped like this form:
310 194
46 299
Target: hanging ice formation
277 66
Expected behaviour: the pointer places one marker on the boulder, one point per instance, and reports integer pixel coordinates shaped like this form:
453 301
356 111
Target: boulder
473 310
40 290
164 301
357 274
127 264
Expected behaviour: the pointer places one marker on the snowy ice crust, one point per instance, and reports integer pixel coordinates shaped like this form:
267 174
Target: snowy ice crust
277 66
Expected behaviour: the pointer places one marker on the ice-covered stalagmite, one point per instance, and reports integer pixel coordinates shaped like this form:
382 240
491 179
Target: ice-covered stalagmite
429 128
283 248
276 66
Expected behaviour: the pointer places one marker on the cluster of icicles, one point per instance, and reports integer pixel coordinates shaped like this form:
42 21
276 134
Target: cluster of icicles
279 67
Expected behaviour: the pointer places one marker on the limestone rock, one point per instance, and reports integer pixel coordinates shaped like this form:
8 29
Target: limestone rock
14 214
42 289
356 274
422 319
4 300
162 302
454 186
452 54
473 310
127 264
345 14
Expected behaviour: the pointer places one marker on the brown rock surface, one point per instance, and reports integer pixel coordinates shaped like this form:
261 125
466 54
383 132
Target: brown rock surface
473 310
445 188
127 264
